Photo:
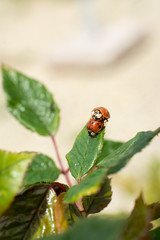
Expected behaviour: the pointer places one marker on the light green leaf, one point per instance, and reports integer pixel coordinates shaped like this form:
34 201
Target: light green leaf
41 169
30 102
84 153
89 185
12 170
120 157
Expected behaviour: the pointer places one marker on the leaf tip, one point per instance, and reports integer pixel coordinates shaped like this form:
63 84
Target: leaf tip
4 67
157 131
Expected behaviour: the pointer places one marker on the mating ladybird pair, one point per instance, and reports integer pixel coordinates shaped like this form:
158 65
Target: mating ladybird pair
99 116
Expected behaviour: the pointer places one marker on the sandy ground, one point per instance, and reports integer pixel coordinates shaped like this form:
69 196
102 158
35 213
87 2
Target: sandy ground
129 88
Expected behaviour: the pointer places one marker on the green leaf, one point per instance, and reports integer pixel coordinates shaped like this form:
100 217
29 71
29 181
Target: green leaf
84 153
120 157
139 224
12 170
96 202
30 102
31 214
155 234
108 147
89 185
93 228
41 169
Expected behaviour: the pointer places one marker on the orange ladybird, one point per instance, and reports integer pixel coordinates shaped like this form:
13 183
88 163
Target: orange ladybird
94 127
100 113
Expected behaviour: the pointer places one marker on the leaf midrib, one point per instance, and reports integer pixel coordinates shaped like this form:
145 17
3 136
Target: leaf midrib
85 154
33 110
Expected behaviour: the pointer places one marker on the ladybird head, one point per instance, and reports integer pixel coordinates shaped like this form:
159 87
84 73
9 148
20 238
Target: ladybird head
91 133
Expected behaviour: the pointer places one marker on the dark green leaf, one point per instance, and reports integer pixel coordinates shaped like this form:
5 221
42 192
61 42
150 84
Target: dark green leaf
155 234
31 214
41 169
30 102
139 224
12 170
108 147
89 185
23 217
84 153
96 202
119 158
93 228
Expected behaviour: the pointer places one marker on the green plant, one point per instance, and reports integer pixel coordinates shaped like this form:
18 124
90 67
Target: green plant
33 205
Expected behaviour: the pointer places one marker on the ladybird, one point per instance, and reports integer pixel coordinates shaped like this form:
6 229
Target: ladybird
100 113
94 127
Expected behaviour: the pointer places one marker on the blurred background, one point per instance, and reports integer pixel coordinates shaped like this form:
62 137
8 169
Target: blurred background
89 53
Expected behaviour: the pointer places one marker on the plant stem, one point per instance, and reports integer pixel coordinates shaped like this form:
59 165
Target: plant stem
79 206
60 162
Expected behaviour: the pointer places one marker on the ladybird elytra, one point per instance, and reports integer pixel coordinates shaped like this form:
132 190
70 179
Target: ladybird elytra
100 113
94 126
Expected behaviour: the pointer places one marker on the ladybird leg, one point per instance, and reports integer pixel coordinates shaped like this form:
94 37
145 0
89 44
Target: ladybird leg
105 123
